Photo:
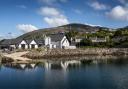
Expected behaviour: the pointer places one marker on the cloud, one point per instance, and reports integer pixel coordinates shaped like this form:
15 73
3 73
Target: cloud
119 13
50 2
56 21
53 16
26 27
123 1
1 37
98 6
48 11
63 0
8 36
93 25
21 6
78 11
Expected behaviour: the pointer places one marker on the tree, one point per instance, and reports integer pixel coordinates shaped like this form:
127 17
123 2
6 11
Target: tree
110 43
71 34
85 42
118 33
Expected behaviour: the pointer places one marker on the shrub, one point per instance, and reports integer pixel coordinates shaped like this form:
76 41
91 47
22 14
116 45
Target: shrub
41 49
85 42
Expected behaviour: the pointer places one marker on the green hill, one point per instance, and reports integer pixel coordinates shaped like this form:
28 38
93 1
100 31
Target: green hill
81 28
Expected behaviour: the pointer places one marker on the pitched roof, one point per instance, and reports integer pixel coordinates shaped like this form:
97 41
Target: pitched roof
17 41
56 37
14 41
7 42
39 41
28 41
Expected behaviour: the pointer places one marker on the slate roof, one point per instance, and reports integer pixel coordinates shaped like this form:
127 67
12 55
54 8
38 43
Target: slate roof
39 41
28 41
56 37
17 41
95 39
14 41
7 42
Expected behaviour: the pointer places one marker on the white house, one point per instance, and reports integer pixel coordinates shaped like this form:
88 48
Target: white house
59 41
33 44
29 44
96 39
51 41
22 45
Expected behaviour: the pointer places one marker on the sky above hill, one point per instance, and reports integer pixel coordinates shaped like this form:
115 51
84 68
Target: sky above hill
21 16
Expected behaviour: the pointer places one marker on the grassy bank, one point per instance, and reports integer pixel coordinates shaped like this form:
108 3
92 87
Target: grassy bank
62 53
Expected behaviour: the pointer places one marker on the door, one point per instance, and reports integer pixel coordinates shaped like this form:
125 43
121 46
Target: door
33 46
23 46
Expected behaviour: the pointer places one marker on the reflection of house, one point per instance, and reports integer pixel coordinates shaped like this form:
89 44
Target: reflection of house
97 39
51 41
61 65
21 65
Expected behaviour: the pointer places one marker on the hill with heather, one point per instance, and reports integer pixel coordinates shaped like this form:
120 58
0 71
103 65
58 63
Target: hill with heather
80 28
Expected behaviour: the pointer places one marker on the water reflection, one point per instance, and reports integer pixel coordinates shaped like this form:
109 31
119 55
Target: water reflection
48 65
64 65
70 74
21 66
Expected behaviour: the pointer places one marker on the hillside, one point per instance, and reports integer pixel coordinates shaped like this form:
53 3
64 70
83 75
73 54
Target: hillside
81 28
123 28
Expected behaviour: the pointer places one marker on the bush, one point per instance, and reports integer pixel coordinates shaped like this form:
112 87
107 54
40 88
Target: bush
41 49
85 42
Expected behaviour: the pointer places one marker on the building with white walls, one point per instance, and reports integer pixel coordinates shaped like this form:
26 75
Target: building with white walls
51 41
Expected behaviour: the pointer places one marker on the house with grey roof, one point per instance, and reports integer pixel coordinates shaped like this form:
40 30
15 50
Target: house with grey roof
98 39
30 44
59 40
51 41
7 44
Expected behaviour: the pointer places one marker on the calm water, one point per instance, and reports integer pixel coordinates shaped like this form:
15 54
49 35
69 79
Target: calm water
65 75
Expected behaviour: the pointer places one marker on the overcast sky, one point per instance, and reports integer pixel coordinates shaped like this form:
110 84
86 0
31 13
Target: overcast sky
21 16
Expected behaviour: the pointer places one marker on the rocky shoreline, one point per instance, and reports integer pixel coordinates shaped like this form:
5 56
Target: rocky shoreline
63 53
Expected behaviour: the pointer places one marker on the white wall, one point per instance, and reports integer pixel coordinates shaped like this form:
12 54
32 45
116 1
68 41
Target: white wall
78 40
13 46
70 47
47 41
23 42
56 44
33 43
65 43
